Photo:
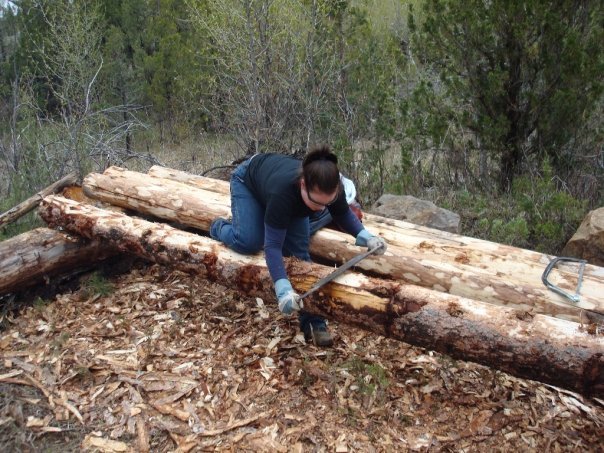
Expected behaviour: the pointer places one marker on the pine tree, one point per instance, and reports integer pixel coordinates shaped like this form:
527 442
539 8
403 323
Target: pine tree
522 77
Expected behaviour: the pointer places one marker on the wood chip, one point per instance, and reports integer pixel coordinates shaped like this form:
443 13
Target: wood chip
235 425
105 445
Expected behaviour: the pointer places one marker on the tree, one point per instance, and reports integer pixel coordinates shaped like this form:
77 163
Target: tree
254 49
522 77
60 118
174 64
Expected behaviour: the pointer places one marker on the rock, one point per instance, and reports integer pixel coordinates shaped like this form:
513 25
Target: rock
588 241
414 210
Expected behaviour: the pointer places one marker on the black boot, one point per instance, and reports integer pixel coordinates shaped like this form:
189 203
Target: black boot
316 331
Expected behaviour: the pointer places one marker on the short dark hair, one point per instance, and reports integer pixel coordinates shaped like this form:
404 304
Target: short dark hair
320 169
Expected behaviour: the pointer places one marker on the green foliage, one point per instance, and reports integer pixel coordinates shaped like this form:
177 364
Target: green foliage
448 100
98 285
369 377
56 119
39 303
521 76
57 345
536 214
553 214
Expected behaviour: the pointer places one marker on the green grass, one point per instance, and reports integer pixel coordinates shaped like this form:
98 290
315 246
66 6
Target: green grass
98 285
369 377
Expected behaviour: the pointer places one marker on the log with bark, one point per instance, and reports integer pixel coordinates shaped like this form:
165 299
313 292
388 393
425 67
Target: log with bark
32 202
197 207
538 347
34 256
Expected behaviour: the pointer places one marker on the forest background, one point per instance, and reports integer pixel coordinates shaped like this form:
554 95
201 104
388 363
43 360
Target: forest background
492 109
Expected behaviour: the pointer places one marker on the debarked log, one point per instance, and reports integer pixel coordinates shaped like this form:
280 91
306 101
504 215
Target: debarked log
29 258
520 265
537 347
196 207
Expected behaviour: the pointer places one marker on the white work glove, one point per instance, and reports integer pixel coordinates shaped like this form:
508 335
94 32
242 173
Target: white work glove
289 300
365 238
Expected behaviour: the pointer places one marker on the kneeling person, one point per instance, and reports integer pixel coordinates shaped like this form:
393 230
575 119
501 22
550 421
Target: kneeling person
272 197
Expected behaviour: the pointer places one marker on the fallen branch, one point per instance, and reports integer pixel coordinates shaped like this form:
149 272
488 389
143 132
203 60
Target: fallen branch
23 208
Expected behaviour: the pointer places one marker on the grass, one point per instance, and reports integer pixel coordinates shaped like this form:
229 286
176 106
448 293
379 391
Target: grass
97 284
194 155
369 377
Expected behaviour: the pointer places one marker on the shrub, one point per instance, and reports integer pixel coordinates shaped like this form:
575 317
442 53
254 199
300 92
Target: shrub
538 213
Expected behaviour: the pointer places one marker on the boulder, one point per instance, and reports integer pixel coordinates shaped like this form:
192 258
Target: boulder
588 241
414 210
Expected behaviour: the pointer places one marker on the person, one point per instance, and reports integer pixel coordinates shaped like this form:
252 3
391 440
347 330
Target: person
321 219
272 197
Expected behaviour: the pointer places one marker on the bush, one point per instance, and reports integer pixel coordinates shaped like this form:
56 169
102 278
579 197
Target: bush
536 214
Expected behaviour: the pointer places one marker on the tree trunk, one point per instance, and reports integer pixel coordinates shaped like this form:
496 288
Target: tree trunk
29 258
443 267
23 208
538 347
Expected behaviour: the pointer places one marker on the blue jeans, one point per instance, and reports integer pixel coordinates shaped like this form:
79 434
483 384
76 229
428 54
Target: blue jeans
245 232
319 220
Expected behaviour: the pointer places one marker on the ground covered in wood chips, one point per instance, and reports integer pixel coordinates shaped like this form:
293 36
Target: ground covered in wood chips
157 360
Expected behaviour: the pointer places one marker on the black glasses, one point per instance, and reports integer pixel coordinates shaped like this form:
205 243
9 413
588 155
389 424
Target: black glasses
325 205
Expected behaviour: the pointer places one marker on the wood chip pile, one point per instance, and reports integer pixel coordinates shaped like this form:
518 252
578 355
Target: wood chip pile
163 361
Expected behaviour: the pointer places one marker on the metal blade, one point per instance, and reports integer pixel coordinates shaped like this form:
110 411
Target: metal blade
339 271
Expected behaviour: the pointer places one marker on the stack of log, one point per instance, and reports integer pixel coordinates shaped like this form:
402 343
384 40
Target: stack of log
471 299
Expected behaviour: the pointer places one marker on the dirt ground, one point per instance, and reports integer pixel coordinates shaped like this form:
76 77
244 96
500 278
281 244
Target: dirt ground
157 360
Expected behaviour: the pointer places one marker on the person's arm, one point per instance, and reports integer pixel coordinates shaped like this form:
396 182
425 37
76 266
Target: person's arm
349 222
273 251
353 226
289 301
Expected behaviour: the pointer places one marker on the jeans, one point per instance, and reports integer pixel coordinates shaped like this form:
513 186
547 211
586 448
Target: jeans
319 220
245 232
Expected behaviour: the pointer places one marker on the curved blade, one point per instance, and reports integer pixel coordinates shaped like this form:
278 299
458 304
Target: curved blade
339 271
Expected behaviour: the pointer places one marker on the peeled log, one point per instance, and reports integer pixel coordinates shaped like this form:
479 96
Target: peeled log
550 350
28 258
520 264
197 207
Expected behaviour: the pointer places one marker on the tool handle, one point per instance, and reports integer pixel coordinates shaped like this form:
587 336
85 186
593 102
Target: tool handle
556 289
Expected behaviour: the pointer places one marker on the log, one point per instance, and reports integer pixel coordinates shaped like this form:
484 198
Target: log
430 243
197 207
28 205
520 268
32 257
546 349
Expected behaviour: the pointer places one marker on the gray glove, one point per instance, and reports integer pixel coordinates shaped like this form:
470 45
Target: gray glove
365 238
377 241
289 300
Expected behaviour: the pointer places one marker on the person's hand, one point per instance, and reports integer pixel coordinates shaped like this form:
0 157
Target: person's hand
377 241
366 239
289 300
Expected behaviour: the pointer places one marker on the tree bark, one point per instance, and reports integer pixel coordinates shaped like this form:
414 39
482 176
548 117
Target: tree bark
29 258
407 261
538 347
23 208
